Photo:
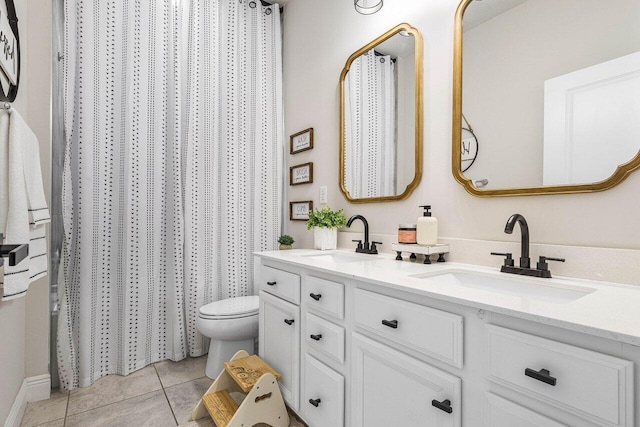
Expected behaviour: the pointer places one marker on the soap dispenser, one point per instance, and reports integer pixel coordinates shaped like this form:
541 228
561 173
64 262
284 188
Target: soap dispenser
427 229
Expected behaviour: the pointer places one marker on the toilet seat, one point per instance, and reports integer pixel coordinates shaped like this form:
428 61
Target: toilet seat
231 308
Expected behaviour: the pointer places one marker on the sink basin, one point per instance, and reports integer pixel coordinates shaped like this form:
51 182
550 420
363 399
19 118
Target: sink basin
340 257
511 286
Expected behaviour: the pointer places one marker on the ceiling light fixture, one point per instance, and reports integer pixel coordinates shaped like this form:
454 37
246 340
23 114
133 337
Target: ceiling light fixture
367 7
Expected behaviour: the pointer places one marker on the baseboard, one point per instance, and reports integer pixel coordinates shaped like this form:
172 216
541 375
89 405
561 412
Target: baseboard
17 409
38 388
33 389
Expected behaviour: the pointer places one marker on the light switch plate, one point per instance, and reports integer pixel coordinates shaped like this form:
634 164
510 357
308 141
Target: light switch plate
323 194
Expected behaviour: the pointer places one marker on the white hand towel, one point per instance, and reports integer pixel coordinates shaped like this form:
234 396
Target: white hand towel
27 211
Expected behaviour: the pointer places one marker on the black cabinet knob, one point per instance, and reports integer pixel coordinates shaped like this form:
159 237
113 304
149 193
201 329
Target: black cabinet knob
542 375
445 405
316 337
390 323
271 283
315 402
289 321
315 296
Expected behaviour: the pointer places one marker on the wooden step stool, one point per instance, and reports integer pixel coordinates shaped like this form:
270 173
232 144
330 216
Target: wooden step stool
263 402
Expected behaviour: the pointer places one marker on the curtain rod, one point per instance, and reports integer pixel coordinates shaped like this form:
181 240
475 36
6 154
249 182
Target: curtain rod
266 3
383 54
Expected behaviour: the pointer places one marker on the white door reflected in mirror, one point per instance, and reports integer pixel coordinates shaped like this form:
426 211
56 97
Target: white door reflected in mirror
552 90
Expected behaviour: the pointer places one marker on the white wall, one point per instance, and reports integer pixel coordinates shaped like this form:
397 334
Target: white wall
506 62
38 85
318 39
24 323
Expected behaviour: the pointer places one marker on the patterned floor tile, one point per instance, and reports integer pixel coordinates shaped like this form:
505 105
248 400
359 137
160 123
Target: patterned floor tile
184 397
172 373
148 410
44 411
113 388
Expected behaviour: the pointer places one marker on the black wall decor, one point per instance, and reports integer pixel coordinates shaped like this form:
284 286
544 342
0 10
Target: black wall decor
9 50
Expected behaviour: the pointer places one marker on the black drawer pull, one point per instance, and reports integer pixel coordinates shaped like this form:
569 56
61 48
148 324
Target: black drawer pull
542 375
315 296
316 337
445 405
271 283
289 321
390 323
315 402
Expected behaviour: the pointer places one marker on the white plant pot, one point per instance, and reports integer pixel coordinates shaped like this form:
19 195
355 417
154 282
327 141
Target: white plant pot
325 238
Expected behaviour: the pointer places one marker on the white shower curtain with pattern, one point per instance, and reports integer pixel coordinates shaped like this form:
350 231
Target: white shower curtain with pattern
172 175
370 126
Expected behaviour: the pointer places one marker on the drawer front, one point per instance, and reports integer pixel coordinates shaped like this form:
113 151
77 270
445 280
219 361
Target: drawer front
592 385
325 336
435 333
324 296
503 413
323 396
280 283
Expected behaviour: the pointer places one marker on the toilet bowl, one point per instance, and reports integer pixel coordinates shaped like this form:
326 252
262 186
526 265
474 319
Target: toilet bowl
232 325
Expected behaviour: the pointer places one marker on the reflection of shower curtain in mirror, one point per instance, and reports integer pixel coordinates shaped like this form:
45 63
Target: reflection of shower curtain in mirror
370 127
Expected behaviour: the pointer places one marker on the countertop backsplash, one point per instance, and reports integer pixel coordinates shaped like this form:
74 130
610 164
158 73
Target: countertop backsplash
605 264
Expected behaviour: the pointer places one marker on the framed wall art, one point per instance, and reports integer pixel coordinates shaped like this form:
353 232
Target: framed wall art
10 57
301 141
301 174
299 211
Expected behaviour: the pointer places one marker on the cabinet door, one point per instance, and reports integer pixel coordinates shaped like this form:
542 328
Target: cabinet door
503 413
279 343
390 388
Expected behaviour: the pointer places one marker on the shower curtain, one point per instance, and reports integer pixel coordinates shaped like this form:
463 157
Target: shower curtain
370 126
173 120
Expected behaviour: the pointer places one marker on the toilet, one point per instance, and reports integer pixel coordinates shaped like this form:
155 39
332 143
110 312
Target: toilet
232 325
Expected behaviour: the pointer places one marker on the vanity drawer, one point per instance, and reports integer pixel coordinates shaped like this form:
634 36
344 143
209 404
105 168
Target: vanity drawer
323 395
594 386
435 333
324 296
325 336
504 413
280 283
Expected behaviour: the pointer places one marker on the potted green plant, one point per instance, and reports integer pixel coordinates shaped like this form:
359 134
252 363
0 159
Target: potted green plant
286 242
325 223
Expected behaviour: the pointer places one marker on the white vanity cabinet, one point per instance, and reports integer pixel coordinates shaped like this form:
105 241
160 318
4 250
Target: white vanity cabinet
362 354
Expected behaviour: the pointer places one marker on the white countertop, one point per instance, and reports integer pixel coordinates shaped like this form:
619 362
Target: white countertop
610 310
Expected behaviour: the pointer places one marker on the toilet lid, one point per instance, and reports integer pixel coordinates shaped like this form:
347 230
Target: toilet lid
231 307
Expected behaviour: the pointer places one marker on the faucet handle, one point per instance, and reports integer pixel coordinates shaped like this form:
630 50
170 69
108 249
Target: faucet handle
359 243
373 249
508 260
542 263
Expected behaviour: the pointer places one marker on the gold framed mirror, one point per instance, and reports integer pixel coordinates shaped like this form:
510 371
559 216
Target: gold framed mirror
381 118
546 96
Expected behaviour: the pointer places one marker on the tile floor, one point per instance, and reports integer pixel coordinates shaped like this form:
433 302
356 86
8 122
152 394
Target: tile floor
163 394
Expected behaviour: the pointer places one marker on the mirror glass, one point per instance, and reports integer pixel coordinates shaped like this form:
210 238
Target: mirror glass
550 92
380 118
